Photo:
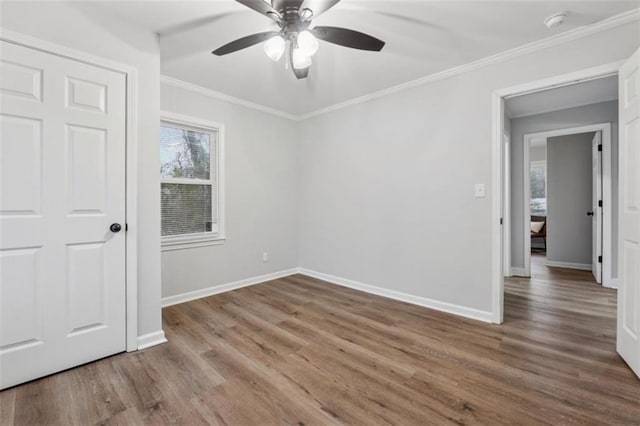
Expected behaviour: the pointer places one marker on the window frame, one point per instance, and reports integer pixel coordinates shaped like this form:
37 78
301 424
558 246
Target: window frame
216 130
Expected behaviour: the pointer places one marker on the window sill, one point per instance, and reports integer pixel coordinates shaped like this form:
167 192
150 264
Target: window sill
189 242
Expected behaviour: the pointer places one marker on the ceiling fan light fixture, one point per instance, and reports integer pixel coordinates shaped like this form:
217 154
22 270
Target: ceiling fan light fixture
306 14
274 48
299 59
307 43
294 38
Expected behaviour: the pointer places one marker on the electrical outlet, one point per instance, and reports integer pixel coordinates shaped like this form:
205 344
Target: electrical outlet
479 190
265 256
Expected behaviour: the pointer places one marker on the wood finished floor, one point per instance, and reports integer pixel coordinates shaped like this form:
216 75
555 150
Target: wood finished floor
301 351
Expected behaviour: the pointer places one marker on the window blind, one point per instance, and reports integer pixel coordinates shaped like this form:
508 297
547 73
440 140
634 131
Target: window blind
188 186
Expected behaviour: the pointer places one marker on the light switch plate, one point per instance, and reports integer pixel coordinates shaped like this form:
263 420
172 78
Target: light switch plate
479 190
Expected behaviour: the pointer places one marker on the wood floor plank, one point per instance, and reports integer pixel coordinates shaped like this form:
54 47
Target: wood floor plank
302 351
37 403
264 386
93 394
8 406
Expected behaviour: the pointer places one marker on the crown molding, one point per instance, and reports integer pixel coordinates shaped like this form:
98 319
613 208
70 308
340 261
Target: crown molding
556 40
194 88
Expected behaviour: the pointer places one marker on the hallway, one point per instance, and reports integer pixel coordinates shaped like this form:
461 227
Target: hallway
572 315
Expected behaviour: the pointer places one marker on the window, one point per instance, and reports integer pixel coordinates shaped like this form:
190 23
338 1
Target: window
191 188
538 170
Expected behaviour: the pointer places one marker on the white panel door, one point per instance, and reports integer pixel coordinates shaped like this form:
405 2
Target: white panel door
628 343
62 184
596 209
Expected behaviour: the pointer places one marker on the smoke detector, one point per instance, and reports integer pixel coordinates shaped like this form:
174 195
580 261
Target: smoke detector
555 20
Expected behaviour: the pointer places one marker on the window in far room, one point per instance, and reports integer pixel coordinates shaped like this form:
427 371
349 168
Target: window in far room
191 188
538 172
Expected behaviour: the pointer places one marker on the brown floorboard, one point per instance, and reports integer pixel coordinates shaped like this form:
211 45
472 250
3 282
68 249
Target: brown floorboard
301 351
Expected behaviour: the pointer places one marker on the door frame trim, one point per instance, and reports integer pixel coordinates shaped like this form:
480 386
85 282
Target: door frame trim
498 114
607 193
506 204
131 127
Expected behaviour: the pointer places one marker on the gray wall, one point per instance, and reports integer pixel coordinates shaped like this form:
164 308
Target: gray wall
538 153
261 204
382 192
569 197
71 25
604 112
387 186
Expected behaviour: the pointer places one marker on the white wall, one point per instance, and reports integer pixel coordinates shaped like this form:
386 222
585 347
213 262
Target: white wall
381 192
73 26
604 112
261 197
569 198
387 186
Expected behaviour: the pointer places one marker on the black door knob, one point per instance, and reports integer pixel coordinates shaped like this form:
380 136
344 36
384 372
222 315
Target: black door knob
115 227
589 213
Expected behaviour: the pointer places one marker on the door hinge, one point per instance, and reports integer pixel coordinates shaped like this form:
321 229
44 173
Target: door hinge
600 148
501 221
599 259
599 203
126 227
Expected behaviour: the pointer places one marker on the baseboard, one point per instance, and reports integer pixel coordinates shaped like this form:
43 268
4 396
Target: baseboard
568 265
472 313
517 272
151 339
613 284
222 288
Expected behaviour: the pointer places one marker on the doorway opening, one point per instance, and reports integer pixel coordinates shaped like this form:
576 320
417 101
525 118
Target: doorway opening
569 188
540 98
626 305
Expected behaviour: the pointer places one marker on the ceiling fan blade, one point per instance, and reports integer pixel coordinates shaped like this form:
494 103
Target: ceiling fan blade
244 42
301 73
348 38
318 7
263 8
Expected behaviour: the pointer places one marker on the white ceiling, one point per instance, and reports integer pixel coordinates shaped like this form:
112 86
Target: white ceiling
574 95
423 37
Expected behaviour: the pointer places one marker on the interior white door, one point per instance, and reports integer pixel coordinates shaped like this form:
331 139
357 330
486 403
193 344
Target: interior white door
596 208
628 343
62 171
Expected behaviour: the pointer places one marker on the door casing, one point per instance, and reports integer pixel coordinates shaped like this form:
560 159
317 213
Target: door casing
131 240
497 187
607 195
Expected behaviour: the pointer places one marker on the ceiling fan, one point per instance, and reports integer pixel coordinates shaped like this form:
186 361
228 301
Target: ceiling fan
295 37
